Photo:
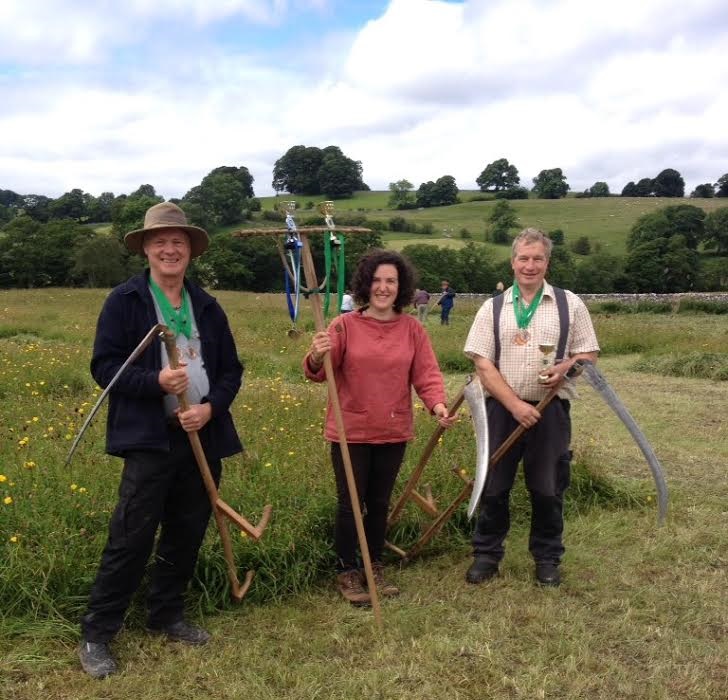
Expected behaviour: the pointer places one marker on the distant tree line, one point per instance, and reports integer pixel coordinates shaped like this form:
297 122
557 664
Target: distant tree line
48 242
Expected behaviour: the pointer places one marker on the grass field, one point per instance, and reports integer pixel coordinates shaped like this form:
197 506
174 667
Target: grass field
641 614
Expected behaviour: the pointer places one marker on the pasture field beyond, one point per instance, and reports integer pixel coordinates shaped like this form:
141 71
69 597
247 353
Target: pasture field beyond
642 612
606 220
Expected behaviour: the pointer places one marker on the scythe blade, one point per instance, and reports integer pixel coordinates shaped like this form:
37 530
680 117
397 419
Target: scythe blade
476 402
596 380
138 350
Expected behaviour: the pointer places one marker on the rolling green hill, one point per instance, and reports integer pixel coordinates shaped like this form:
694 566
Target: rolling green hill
605 220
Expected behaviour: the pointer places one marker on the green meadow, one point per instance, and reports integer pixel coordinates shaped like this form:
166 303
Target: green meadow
606 220
641 613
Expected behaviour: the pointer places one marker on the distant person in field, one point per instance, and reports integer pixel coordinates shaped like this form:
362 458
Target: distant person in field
446 302
504 345
347 302
421 303
161 487
378 354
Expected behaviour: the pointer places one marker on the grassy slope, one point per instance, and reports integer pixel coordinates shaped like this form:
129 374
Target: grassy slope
606 220
641 613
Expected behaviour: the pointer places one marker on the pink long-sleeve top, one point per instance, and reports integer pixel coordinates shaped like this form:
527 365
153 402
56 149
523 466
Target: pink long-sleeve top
375 365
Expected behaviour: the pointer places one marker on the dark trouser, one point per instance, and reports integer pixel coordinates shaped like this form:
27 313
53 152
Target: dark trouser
375 471
156 488
546 466
445 315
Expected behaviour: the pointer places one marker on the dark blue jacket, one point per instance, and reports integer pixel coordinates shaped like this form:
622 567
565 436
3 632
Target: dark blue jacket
136 418
447 300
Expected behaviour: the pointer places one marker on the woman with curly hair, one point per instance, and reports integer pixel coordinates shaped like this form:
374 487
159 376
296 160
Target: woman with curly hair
378 354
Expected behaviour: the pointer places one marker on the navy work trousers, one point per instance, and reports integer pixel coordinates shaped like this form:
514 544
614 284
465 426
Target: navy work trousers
157 489
546 466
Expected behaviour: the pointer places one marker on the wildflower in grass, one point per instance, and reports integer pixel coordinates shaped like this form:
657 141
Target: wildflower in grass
243 533
82 489
74 487
269 464
29 465
23 442
7 500
14 539
290 454
3 478
35 419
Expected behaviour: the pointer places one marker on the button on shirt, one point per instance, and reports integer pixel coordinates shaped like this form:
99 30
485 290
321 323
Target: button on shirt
520 364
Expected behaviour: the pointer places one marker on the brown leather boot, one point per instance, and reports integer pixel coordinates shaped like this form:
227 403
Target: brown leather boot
351 587
383 587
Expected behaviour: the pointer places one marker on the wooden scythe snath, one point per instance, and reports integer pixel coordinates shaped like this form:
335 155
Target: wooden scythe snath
309 271
220 509
427 504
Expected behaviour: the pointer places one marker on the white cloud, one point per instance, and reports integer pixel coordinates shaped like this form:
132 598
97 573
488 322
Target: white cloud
606 92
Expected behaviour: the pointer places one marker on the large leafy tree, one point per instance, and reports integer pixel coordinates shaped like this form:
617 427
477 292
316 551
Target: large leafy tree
99 261
682 219
599 189
34 254
99 209
502 219
338 175
598 274
442 192
704 191
722 186
669 183
662 255
402 196
222 198
716 231
71 205
550 184
308 170
498 175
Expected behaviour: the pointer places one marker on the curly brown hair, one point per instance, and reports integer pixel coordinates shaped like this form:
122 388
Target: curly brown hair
367 266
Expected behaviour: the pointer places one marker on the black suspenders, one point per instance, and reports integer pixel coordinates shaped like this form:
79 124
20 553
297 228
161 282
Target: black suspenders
562 306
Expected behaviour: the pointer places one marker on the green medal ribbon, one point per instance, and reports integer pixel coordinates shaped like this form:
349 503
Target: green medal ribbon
330 261
524 314
177 321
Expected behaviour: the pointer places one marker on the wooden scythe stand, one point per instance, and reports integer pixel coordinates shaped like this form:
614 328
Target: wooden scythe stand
428 505
220 509
309 271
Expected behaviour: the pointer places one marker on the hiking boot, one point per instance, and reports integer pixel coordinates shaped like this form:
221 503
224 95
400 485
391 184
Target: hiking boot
547 573
383 587
481 570
352 588
182 631
96 659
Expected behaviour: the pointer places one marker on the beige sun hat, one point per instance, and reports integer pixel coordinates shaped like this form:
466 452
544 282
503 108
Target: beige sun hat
167 215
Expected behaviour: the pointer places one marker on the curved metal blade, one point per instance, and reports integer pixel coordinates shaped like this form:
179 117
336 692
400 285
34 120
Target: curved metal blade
597 381
476 402
138 350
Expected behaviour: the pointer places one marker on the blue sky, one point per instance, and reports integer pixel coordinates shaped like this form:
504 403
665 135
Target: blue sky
106 95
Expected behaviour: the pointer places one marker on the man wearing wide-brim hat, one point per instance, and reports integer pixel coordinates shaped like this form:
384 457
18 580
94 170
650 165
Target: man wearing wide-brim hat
161 487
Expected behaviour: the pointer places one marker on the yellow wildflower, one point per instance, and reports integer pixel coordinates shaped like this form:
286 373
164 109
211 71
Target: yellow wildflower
3 478
74 487
7 500
14 539
29 465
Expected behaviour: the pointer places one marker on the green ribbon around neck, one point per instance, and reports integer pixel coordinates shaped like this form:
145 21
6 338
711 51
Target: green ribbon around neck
178 321
524 314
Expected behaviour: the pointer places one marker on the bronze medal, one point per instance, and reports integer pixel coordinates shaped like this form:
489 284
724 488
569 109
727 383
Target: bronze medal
521 336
